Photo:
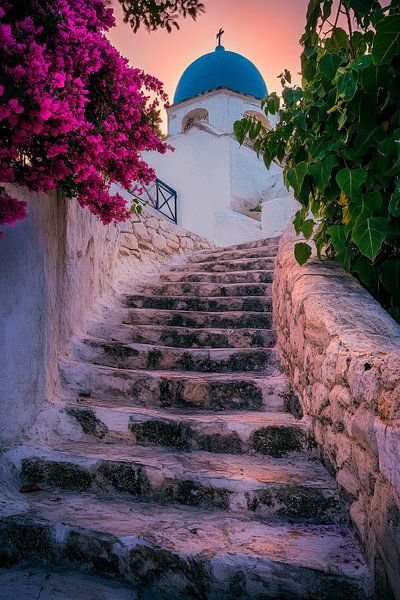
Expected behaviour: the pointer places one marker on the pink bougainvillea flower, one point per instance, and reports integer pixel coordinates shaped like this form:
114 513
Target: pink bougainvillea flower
73 107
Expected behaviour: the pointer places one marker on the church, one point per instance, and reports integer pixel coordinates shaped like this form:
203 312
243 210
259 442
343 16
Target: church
223 190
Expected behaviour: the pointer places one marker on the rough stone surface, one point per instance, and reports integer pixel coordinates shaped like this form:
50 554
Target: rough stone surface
172 462
342 351
57 268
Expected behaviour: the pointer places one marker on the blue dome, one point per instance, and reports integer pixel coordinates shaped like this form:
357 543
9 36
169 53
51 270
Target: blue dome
220 69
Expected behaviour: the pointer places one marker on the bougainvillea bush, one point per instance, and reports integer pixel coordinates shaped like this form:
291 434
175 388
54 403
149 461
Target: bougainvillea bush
339 138
72 112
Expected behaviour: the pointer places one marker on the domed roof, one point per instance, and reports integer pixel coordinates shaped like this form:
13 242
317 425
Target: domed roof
220 69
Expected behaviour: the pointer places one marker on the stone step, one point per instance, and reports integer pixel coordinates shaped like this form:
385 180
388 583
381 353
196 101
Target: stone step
255 276
272 434
204 289
185 337
204 303
173 388
223 266
264 252
170 553
28 582
266 243
270 244
175 318
145 356
268 488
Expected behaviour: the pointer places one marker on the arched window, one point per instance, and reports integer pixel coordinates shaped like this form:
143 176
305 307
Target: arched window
193 117
259 116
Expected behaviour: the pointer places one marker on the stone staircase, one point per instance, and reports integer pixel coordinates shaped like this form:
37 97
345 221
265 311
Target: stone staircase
191 479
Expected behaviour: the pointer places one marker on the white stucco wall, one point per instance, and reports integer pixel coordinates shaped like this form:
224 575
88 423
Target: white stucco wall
224 108
277 213
56 267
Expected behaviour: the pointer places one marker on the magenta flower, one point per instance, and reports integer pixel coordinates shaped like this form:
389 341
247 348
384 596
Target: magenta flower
74 114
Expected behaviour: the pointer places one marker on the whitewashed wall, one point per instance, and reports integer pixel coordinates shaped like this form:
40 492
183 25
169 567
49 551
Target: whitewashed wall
55 268
224 108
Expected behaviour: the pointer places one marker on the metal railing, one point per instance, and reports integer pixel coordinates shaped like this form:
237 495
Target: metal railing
160 196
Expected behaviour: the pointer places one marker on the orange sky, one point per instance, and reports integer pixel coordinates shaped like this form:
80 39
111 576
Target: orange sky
265 31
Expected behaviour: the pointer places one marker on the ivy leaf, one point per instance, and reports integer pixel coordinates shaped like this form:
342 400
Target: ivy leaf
307 228
367 273
240 130
299 220
394 204
338 235
347 85
302 252
369 234
390 277
296 175
322 171
329 64
365 205
350 181
387 40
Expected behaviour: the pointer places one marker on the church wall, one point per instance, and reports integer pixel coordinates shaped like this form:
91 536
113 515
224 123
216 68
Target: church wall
56 267
341 350
198 170
224 108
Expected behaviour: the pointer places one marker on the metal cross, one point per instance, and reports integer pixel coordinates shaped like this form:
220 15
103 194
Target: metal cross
219 35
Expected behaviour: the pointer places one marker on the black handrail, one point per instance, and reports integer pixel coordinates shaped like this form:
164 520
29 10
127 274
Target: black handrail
162 197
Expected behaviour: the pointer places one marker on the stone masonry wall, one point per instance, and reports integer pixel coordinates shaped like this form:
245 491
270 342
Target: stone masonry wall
342 351
55 269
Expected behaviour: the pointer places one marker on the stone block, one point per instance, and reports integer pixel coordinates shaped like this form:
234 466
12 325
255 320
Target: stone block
141 232
348 481
129 240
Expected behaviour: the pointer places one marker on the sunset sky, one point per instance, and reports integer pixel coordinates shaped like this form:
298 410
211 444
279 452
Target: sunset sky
265 31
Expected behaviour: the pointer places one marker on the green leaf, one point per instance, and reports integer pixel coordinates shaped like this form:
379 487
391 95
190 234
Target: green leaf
322 171
307 228
296 175
394 204
302 252
365 205
390 276
338 235
350 181
368 136
329 64
347 85
299 220
369 234
367 273
387 40
240 130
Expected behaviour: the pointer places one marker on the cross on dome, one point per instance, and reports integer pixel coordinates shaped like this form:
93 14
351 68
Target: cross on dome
219 35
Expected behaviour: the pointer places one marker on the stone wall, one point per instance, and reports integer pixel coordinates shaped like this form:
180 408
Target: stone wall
342 351
55 269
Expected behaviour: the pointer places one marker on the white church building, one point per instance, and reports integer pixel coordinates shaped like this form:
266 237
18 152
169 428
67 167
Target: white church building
224 191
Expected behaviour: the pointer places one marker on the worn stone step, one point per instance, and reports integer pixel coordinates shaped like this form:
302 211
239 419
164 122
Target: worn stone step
175 318
204 303
268 488
173 388
145 356
230 290
185 337
265 252
228 265
184 553
271 434
270 244
247 277
28 582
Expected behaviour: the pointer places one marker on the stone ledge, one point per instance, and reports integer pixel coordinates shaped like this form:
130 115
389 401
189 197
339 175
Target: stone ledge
342 351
